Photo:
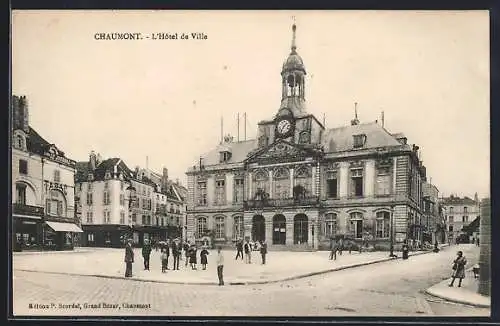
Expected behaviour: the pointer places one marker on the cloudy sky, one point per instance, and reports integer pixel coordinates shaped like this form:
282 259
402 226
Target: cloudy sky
429 72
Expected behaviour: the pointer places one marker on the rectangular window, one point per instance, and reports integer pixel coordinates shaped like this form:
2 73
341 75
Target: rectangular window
122 217
106 185
332 184
238 190
143 219
134 217
89 198
357 182
465 209
57 176
202 193
90 237
465 219
359 140
23 167
383 182
450 228
21 194
90 218
220 192
450 219
107 198
107 218
122 199
451 210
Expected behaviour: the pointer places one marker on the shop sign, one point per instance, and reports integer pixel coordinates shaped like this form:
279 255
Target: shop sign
60 159
49 185
28 222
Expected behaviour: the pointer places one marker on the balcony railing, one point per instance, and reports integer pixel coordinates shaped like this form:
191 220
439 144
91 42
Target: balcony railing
286 202
27 210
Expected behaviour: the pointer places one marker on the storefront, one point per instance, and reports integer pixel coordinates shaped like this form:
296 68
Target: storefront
59 236
27 232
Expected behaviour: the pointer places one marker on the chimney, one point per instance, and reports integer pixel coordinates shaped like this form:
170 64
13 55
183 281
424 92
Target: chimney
92 160
98 159
165 173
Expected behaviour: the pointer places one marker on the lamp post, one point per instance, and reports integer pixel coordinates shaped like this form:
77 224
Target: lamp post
131 192
391 235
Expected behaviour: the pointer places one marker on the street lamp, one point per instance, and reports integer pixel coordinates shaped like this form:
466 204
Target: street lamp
131 194
391 235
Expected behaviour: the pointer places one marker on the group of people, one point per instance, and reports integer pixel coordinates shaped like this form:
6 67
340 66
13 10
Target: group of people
246 248
338 246
172 248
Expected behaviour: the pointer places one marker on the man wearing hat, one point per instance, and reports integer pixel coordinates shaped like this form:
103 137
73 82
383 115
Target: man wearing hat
176 253
146 252
129 258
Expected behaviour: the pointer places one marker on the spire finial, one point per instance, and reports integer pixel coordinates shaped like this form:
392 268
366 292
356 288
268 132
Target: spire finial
294 28
355 121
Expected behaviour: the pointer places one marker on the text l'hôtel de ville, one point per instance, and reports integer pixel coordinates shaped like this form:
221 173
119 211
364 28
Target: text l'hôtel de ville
117 36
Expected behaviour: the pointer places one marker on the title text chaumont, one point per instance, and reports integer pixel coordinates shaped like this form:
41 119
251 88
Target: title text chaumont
136 36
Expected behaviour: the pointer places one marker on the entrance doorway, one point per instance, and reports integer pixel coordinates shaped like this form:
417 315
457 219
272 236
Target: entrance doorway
258 228
279 229
300 229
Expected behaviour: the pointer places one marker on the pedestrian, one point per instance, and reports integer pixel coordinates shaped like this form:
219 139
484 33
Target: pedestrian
186 253
203 257
458 269
349 245
164 260
333 249
248 252
477 241
263 251
176 254
192 257
220 265
129 258
146 252
239 250
405 249
167 250
340 246
436 248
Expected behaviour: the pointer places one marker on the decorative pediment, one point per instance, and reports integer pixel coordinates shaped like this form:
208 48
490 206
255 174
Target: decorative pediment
384 162
332 166
239 174
357 164
282 151
220 176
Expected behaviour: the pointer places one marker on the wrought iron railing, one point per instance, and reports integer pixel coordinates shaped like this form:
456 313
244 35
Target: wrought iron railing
285 202
27 210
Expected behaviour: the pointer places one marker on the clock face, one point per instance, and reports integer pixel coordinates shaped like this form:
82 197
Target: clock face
284 127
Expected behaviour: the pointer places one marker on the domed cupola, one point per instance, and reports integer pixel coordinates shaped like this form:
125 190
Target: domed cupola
293 81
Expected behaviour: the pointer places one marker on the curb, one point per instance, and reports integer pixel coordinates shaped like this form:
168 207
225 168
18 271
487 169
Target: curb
230 283
468 303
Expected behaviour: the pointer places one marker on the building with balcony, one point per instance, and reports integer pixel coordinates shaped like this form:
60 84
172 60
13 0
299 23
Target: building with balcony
43 204
459 213
109 216
298 184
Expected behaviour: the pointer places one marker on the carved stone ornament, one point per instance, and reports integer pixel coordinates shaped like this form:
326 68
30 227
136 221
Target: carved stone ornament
239 173
385 162
357 164
220 176
332 166
202 177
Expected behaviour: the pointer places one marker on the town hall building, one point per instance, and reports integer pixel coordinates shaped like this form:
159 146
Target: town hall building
299 184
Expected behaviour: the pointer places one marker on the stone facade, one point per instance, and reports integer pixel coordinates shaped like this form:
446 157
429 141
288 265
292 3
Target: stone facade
459 213
300 184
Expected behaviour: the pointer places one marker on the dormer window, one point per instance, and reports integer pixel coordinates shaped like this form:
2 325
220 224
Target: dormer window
359 140
225 156
90 177
20 142
107 175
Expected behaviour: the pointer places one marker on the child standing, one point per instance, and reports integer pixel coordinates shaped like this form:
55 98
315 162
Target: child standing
203 257
164 260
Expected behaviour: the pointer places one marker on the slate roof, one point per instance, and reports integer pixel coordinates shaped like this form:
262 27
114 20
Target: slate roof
83 169
334 140
453 200
341 139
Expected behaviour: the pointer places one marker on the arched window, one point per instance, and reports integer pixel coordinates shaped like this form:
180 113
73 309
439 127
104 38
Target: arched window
383 224
238 231
201 226
56 204
281 180
356 223
220 229
261 181
303 177
330 225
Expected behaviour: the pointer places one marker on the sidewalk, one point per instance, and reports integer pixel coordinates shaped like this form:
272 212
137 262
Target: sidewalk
467 294
280 266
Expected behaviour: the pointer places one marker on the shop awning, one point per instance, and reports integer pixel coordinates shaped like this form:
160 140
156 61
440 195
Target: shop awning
64 227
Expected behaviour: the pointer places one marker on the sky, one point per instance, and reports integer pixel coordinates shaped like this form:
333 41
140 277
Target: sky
164 99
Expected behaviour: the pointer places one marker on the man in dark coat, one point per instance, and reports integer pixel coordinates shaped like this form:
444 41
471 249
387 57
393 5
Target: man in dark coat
146 253
129 258
333 249
239 248
263 252
176 253
186 252
248 252
167 250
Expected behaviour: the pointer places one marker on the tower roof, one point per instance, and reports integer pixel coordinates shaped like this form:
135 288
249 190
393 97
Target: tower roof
294 61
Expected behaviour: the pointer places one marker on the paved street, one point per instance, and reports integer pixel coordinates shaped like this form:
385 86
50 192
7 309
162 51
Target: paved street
394 288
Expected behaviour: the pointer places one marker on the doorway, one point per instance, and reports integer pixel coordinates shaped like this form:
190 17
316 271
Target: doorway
258 228
279 229
300 229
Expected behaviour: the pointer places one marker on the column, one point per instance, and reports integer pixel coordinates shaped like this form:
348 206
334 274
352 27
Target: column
271 183
369 182
313 180
249 188
291 182
269 228
289 229
310 225
344 179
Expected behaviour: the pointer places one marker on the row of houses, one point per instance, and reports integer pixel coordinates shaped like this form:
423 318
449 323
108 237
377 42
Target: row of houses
58 203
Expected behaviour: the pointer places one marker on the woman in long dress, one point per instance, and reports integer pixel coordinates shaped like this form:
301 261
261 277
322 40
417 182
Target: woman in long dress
458 269
203 257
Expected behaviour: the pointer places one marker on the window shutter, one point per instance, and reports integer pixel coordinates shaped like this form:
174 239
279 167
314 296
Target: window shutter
47 206
59 209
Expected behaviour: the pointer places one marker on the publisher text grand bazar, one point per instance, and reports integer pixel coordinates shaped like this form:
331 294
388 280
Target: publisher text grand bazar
101 305
149 36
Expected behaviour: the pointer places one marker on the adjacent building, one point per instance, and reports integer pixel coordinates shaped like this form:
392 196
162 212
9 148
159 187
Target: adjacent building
299 183
460 212
111 213
43 204
434 228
